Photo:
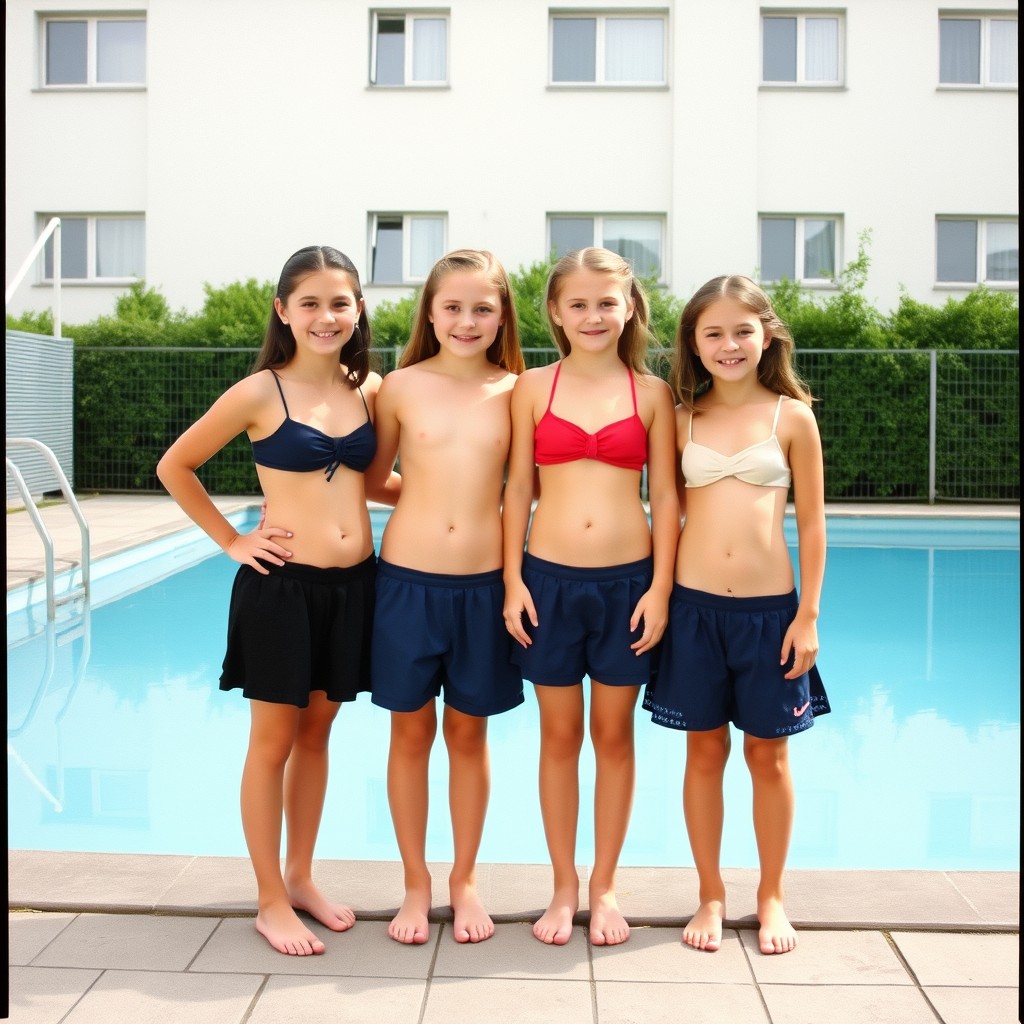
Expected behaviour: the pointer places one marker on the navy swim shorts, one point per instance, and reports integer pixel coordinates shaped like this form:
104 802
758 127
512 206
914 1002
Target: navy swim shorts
719 663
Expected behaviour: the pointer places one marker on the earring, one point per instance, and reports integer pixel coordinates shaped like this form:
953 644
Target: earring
558 323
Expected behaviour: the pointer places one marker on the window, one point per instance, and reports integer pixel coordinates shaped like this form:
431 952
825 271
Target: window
94 51
638 239
608 49
801 249
403 247
978 50
801 49
974 251
98 248
409 49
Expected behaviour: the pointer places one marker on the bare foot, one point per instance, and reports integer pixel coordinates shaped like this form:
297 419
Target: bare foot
704 929
410 925
607 925
776 935
472 922
555 924
306 896
280 926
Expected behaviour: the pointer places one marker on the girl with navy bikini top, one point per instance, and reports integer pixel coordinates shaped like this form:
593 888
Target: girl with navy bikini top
302 601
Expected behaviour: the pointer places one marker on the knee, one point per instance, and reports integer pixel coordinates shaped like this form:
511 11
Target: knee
767 760
707 753
613 741
413 739
563 741
466 737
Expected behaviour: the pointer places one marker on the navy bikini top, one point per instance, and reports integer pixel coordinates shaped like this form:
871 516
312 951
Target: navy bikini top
299 448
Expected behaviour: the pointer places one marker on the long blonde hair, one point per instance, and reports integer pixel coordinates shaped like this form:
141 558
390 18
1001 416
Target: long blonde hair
689 378
636 334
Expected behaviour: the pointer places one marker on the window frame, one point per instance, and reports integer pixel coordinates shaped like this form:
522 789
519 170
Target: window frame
407 277
982 225
602 17
409 18
91 248
986 18
599 240
802 16
799 242
45 19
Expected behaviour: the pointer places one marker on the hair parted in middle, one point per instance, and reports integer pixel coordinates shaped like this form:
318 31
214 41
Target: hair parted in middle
279 342
635 339
690 379
505 350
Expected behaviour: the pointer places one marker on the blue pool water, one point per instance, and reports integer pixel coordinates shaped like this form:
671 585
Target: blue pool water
119 740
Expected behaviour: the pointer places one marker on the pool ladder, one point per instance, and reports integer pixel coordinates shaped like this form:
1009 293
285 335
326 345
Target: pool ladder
73 592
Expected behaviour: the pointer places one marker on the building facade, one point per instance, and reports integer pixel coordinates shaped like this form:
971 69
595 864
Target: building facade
194 142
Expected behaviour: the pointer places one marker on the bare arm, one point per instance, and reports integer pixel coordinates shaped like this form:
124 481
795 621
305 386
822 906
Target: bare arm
383 484
664 504
805 460
232 413
515 510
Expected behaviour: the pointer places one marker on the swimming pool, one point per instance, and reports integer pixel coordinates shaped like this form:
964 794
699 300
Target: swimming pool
119 740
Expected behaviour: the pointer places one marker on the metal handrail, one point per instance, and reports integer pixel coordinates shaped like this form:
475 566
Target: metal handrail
52 228
44 535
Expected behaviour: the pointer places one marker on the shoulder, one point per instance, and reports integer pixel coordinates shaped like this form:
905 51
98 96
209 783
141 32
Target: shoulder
797 422
256 388
536 377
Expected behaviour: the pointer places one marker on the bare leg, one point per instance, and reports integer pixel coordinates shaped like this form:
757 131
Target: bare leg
305 787
561 740
768 761
704 810
412 736
272 732
611 731
469 785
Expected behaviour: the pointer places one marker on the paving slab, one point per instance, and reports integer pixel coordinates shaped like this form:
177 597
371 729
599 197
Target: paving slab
658 955
628 1003
508 1000
976 1006
43 995
513 952
288 1000
940 958
155 997
30 933
828 958
847 1004
136 941
363 951
49 880
995 895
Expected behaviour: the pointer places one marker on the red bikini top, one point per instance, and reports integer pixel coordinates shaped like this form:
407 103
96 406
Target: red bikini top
622 443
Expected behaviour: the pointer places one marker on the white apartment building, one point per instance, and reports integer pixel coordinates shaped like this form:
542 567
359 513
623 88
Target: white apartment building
188 142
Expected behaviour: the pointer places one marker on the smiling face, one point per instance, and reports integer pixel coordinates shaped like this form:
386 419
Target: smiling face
466 312
322 311
729 339
591 309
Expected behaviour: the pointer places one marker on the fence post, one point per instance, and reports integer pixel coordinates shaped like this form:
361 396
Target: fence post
933 384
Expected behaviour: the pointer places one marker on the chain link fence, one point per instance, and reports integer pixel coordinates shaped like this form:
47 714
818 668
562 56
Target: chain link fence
896 425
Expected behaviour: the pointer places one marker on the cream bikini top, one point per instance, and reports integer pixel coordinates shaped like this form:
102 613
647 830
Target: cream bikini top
763 463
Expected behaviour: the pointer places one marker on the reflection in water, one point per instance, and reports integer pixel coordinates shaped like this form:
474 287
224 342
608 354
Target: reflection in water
119 740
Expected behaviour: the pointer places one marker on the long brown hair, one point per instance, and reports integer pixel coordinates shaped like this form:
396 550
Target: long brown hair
636 334
279 342
689 378
505 350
